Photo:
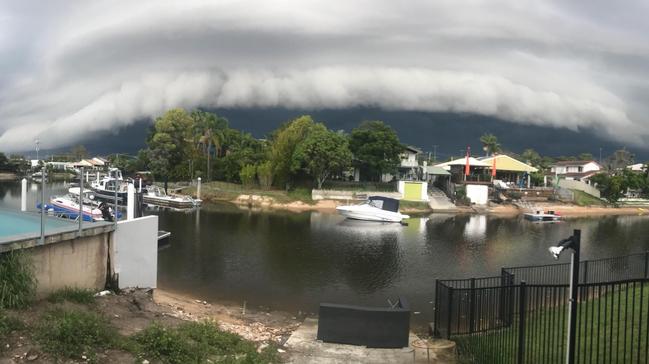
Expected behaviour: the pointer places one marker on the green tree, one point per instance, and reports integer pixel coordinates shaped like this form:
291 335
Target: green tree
79 152
284 142
247 174
4 162
207 135
376 148
585 157
265 174
322 153
490 143
619 160
531 157
169 144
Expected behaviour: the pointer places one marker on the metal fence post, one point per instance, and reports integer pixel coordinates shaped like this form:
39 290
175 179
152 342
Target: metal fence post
646 263
436 309
522 303
586 271
574 285
472 307
80 200
450 312
43 176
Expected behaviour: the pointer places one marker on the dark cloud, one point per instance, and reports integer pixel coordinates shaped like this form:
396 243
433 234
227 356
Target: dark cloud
71 69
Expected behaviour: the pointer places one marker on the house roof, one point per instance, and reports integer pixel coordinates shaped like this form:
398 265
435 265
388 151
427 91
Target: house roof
573 163
435 170
580 175
413 149
473 162
507 163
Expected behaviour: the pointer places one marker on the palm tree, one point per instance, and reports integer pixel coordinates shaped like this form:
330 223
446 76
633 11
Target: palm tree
490 144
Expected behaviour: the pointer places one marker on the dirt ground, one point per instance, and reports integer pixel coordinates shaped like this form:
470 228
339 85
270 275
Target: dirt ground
133 310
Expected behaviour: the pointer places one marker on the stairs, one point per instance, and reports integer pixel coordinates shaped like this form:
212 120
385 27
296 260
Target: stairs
439 200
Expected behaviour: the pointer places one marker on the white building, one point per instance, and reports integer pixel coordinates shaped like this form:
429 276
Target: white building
638 167
575 170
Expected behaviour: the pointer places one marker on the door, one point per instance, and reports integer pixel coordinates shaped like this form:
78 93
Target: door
412 191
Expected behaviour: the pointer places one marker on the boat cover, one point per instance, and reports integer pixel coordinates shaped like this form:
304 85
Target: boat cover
389 204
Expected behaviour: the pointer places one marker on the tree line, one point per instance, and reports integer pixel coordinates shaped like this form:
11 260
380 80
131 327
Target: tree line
184 145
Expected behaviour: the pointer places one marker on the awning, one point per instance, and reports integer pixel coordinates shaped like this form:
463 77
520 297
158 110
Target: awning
436 171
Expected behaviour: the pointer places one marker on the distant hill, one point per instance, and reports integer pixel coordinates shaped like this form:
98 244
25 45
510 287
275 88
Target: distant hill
450 132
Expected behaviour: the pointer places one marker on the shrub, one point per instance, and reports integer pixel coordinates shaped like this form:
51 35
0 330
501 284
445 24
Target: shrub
73 333
265 174
17 281
7 325
73 294
247 174
198 342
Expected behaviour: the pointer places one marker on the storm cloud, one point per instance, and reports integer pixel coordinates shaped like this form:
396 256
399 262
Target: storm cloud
71 69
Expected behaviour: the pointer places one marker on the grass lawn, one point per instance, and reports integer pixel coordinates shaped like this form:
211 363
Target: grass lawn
225 191
611 327
584 199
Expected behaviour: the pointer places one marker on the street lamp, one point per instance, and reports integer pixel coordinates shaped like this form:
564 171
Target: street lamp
572 243
37 147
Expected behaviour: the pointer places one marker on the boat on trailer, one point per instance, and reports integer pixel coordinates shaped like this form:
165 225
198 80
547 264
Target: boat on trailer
540 215
154 195
67 206
375 208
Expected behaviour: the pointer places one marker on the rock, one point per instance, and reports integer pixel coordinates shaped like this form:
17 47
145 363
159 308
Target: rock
145 361
281 350
32 357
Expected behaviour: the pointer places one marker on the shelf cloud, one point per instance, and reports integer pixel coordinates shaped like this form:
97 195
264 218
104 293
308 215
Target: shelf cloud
73 69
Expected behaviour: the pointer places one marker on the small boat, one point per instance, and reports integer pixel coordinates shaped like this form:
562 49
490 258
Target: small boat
539 215
104 189
154 195
375 208
68 206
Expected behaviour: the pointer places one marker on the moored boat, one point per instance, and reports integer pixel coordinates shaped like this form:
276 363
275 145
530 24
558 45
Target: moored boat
68 206
375 208
540 215
155 195
111 186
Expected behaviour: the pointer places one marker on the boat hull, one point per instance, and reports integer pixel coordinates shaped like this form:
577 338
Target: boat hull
109 196
175 203
378 216
541 217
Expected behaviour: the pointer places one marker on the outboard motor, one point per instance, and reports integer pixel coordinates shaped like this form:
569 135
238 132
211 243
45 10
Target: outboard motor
106 212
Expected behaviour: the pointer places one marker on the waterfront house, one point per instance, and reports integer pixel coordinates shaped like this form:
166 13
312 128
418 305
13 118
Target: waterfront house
477 169
508 169
408 169
575 170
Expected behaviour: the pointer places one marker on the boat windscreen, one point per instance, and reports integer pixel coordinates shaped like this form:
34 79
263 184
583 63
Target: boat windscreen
389 204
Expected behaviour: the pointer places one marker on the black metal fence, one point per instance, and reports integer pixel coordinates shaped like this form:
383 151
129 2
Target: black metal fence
521 316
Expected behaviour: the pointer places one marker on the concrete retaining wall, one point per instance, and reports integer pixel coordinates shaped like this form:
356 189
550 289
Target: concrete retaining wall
81 262
579 185
349 195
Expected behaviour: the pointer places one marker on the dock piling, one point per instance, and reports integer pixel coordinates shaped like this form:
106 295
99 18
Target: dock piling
23 196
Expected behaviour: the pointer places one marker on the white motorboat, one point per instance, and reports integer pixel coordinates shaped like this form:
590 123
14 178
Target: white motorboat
375 208
68 206
104 189
155 195
540 215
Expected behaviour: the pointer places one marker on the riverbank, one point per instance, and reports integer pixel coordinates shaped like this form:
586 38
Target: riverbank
300 200
132 313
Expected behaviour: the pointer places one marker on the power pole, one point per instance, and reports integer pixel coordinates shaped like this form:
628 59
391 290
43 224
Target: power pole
434 153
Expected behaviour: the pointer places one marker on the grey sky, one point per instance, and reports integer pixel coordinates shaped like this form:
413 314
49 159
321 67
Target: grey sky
72 68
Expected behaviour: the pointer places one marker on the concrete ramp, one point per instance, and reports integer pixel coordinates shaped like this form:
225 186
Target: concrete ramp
304 348
438 201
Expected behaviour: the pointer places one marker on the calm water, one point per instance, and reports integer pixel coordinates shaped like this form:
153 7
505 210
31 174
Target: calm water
293 261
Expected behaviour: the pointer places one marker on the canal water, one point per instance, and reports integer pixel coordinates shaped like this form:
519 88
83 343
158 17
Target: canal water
293 261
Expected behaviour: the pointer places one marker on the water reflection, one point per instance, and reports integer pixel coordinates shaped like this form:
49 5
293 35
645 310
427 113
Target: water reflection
294 261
